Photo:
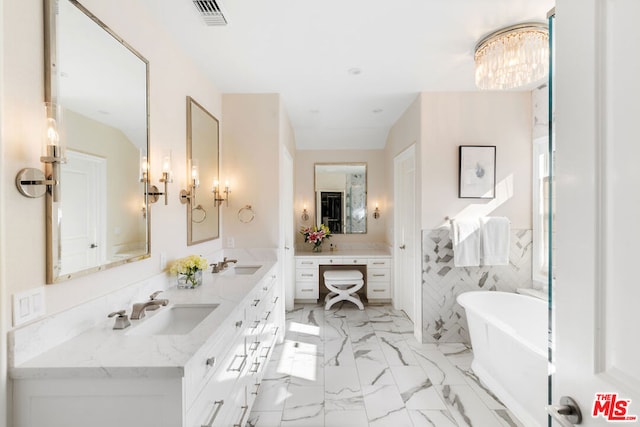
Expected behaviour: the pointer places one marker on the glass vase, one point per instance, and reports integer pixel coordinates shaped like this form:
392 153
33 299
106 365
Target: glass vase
189 280
317 248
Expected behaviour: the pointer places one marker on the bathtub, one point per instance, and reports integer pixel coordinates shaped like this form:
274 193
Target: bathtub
509 340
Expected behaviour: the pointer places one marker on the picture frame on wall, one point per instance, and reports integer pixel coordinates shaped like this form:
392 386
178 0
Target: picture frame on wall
477 172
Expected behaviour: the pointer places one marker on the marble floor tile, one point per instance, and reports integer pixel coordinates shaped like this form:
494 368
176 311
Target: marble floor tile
346 367
346 418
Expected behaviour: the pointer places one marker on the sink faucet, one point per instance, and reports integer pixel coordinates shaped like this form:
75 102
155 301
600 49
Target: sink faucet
139 308
217 268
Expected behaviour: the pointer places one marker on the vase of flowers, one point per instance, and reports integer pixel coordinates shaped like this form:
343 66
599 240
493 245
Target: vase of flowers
188 271
316 236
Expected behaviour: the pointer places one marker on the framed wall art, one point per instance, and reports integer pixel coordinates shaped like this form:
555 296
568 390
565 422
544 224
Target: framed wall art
477 172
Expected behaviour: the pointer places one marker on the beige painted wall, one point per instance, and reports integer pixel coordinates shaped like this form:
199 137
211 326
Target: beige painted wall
255 126
172 78
502 119
377 191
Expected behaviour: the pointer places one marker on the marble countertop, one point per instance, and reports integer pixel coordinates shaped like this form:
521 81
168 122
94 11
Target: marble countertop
104 352
365 252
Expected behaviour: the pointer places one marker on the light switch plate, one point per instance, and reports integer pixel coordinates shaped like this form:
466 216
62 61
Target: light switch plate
28 305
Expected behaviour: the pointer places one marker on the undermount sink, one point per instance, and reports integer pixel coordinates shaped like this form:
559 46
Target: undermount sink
242 270
179 319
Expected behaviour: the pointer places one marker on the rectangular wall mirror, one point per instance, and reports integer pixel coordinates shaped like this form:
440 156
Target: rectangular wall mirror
341 197
102 216
203 147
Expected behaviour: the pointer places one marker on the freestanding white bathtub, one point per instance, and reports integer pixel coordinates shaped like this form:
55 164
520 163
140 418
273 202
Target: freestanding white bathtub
509 340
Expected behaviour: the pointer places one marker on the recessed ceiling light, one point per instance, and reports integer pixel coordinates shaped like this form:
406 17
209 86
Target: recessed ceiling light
377 111
314 111
355 71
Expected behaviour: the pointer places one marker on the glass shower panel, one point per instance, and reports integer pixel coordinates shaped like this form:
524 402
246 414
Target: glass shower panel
550 202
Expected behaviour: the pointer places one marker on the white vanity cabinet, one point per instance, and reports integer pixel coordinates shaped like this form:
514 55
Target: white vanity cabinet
378 273
215 387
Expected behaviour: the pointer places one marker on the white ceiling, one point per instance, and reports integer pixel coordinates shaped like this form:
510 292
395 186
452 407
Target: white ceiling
304 50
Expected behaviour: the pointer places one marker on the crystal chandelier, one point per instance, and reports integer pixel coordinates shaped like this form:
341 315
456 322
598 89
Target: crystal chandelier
513 57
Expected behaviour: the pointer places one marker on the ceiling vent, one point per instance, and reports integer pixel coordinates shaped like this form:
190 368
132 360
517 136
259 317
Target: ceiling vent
211 12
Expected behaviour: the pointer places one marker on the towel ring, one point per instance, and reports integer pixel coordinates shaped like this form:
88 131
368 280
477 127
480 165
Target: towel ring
246 214
198 218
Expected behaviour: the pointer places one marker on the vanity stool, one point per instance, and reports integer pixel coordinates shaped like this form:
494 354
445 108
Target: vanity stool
343 285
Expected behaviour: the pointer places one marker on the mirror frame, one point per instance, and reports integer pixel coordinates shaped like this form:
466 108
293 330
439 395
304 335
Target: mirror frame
366 193
51 95
190 104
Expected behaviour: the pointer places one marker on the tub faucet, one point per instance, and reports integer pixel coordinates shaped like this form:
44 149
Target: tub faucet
139 308
217 268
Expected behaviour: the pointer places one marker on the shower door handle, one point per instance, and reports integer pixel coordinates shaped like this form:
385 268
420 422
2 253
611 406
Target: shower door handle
567 413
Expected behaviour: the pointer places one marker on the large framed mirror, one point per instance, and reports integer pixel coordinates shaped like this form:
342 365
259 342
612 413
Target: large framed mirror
100 83
341 197
203 147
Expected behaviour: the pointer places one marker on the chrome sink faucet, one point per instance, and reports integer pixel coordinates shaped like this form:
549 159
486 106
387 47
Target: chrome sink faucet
217 268
139 308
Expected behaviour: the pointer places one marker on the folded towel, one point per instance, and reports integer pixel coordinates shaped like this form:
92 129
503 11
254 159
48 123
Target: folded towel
466 242
495 240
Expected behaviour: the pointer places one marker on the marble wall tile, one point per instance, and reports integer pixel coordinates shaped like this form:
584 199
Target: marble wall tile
444 321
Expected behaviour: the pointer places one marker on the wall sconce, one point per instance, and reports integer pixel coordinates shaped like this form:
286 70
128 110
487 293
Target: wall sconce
217 199
151 190
31 182
190 196
376 212
305 213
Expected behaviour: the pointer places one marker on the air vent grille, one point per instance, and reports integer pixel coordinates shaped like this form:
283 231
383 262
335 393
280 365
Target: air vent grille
210 12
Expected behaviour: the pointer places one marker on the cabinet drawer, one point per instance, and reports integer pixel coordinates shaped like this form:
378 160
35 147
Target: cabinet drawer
354 261
331 261
378 290
379 263
378 275
306 263
307 290
306 274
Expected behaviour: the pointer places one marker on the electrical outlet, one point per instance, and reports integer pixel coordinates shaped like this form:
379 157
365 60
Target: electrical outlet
28 305
163 260
231 242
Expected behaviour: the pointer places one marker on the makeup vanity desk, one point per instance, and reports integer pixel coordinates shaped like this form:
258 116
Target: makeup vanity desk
375 265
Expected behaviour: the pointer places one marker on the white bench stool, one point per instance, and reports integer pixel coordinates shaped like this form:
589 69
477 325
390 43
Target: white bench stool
343 285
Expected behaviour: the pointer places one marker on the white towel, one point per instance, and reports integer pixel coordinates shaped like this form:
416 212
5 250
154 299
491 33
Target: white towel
466 242
495 240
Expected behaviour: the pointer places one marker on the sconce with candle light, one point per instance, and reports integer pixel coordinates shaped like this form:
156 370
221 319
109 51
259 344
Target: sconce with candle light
376 212
305 213
31 182
217 198
190 195
151 190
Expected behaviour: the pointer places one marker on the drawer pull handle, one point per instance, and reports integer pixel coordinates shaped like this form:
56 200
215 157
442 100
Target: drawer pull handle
257 385
217 405
307 262
211 361
239 368
275 331
239 324
378 275
378 263
256 323
255 367
265 288
255 302
244 413
254 346
267 316
379 290
307 290
306 275
275 300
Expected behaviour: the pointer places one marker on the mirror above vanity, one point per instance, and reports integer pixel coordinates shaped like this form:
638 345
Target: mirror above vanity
100 85
341 197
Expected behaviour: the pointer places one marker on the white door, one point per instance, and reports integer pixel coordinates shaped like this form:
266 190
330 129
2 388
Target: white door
406 284
286 227
82 227
597 291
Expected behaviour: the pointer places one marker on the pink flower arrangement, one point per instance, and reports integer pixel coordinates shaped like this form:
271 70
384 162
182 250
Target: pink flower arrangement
315 234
